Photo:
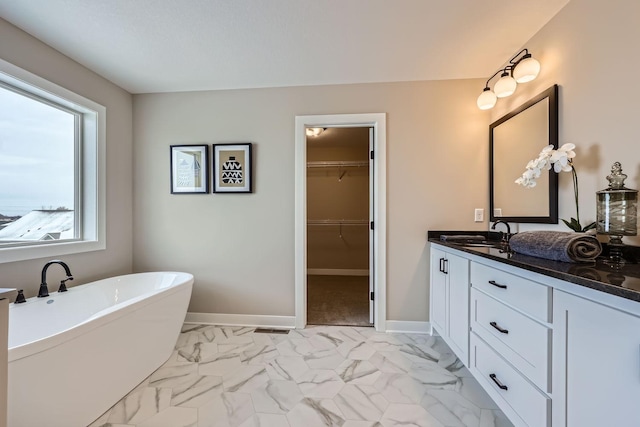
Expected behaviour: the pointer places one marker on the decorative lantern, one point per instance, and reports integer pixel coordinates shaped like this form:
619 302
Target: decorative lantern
617 212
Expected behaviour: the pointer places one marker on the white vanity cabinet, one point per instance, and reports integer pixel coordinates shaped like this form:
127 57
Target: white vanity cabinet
549 352
449 300
510 342
596 354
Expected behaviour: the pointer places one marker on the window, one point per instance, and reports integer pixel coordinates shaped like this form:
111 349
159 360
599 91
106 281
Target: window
38 142
51 169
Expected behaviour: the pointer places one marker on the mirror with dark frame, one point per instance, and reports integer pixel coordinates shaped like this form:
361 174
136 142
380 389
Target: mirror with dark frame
514 140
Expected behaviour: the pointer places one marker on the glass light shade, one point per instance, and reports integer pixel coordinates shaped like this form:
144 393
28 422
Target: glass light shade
526 70
505 86
487 99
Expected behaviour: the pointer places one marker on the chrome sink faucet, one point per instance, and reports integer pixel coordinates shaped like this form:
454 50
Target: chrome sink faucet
44 291
505 238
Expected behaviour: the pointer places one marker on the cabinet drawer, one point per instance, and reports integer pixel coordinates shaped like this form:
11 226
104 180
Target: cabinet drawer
530 297
518 338
517 396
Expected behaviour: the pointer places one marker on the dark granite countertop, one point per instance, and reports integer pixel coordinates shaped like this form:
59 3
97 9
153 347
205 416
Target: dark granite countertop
620 281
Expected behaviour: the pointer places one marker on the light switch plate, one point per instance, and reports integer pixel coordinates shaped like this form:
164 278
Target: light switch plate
479 215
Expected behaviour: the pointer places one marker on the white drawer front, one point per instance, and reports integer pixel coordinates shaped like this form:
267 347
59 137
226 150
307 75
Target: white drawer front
518 338
528 296
522 398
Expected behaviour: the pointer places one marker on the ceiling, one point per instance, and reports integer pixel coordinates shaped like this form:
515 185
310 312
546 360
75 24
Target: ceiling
184 45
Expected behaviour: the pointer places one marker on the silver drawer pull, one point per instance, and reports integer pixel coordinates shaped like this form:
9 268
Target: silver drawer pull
498 383
497 285
501 330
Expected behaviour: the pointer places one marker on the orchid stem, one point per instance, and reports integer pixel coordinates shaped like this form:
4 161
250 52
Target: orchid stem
575 192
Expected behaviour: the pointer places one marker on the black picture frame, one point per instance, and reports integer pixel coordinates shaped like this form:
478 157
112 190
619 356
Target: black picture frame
189 168
233 168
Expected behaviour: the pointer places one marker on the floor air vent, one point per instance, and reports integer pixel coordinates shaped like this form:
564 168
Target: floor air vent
271 331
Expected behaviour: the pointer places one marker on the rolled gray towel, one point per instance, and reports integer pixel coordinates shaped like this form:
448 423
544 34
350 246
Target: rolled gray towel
556 245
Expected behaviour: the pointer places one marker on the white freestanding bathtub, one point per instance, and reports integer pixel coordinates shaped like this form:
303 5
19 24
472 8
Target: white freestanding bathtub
73 355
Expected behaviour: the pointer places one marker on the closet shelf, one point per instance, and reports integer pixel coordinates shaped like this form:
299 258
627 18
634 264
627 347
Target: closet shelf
337 222
337 164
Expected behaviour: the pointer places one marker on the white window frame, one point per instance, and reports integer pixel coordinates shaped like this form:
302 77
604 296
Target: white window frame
91 195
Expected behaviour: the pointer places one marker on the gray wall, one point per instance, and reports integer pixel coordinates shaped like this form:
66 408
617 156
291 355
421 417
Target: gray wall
22 50
588 49
241 247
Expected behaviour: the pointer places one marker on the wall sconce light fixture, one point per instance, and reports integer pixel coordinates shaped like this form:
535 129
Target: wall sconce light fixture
522 68
314 131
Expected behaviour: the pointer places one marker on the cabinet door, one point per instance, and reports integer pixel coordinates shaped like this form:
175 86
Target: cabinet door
597 361
438 294
458 272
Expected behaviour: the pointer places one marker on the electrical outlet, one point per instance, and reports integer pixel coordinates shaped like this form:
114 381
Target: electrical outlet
479 215
497 212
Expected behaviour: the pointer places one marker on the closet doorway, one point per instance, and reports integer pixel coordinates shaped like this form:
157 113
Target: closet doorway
376 122
339 215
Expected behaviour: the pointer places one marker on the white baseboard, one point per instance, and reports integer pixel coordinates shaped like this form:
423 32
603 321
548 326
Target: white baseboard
223 319
410 327
288 322
337 272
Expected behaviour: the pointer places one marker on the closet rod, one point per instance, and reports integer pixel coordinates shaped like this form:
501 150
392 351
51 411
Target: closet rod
337 222
336 164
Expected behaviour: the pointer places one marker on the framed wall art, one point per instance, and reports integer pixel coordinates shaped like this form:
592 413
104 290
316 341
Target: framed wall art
189 169
232 166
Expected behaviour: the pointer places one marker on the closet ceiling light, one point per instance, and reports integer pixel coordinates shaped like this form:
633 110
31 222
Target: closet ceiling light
314 131
522 68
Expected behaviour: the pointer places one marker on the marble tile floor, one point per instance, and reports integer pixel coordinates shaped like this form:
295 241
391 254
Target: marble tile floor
318 376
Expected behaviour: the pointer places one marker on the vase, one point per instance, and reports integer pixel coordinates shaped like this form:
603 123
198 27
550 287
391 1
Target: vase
617 212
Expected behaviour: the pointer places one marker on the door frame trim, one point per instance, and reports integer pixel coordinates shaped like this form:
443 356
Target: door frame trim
378 122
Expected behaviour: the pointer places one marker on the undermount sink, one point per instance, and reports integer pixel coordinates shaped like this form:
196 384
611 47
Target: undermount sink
483 244
473 240
479 244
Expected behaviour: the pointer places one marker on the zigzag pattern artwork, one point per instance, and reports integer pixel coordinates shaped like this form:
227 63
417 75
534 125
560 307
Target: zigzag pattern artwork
232 171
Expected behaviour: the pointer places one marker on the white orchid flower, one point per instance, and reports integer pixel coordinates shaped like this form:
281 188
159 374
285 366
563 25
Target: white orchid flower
559 156
539 163
568 150
525 182
559 159
547 149
562 164
562 161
